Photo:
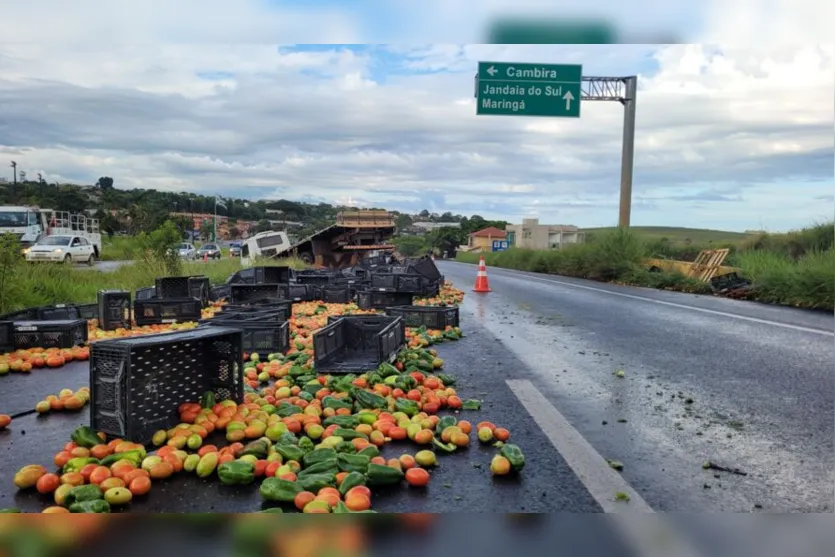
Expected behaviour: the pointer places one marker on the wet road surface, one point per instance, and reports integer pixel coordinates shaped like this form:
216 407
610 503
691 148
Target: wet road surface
740 384
461 483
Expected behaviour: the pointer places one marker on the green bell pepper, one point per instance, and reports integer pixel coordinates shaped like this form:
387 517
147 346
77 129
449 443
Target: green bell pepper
349 434
368 399
95 506
370 451
352 480
290 452
259 449
408 407
471 404
208 400
315 482
342 421
82 493
328 466
285 410
346 447
276 489
383 475
76 464
236 472
445 422
514 454
134 456
318 455
86 437
447 380
448 448
335 403
353 463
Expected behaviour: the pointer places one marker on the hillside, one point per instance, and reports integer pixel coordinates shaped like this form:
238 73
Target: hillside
678 235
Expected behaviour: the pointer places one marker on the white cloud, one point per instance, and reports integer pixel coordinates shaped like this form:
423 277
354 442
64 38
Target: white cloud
718 122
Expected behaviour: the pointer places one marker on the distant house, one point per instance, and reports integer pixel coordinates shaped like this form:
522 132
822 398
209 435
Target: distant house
424 227
532 235
482 240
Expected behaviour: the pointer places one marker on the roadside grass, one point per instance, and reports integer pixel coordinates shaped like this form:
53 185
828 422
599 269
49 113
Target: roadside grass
120 248
796 269
42 284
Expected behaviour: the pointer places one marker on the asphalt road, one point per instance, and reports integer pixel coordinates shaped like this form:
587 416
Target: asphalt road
740 384
461 483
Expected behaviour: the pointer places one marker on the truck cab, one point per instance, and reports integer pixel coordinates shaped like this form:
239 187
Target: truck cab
24 222
264 244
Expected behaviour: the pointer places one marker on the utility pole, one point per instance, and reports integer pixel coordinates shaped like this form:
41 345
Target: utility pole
14 179
628 151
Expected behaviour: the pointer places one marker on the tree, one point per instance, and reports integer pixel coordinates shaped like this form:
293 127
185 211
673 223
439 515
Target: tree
446 239
161 245
262 226
234 233
105 183
424 214
206 230
410 245
403 221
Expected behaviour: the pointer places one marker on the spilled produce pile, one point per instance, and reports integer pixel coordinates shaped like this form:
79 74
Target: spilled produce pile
309 442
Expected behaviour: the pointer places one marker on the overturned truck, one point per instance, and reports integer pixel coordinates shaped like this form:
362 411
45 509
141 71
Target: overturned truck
355 234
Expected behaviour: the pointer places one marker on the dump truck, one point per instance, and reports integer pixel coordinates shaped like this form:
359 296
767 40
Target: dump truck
355 234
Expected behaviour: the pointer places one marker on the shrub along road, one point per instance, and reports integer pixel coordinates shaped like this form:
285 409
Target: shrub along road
740 384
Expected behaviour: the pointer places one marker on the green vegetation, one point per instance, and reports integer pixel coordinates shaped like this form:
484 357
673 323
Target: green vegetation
26 285
678 235
796 269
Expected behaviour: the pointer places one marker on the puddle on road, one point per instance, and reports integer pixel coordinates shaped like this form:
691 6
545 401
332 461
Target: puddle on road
662 433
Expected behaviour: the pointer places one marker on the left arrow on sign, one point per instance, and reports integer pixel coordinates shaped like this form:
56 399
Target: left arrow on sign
492 70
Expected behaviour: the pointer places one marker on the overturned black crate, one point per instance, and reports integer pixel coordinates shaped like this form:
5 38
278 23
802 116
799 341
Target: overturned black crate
50 334
159 311
6 336
297 292
137 384
146 293
247 293
314 278
397 282
260 334
371 299
27 314
357 343
88 311
431 317
198 287
262 275
172 287
220 292
424 266
336 294
114 309
284 308
252 314
57 312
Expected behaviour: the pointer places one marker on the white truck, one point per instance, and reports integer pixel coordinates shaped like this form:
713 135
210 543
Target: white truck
31 224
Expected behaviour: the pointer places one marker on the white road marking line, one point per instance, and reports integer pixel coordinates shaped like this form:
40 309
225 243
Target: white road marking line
646 531
681 306
599 478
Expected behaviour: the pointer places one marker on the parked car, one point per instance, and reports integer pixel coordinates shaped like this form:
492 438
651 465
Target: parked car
186 251
62 249
211 250
234 249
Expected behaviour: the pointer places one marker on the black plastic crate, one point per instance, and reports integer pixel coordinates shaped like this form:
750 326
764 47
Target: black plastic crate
137 384
397 282
88 311
336 294
6 336
147 293
357 343
173 310
220 292
260 335
57 312
50 334
113 309
27 314
262 275
198 287
315 279
283 307
243 292
297 292
370 299
431 317
252 315
173 287
424 266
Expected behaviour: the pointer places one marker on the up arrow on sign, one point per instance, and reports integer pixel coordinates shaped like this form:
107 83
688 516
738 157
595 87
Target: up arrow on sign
492 70
568 98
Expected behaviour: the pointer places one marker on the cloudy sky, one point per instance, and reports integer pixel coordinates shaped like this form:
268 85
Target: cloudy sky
731 138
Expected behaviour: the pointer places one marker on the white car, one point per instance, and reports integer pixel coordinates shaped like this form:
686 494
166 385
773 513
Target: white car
62 249
186 251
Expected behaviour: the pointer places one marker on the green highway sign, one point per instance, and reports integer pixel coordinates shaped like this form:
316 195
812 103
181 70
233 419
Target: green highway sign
517 89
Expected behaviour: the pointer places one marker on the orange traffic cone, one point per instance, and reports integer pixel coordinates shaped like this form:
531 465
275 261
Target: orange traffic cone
206 257
481 284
